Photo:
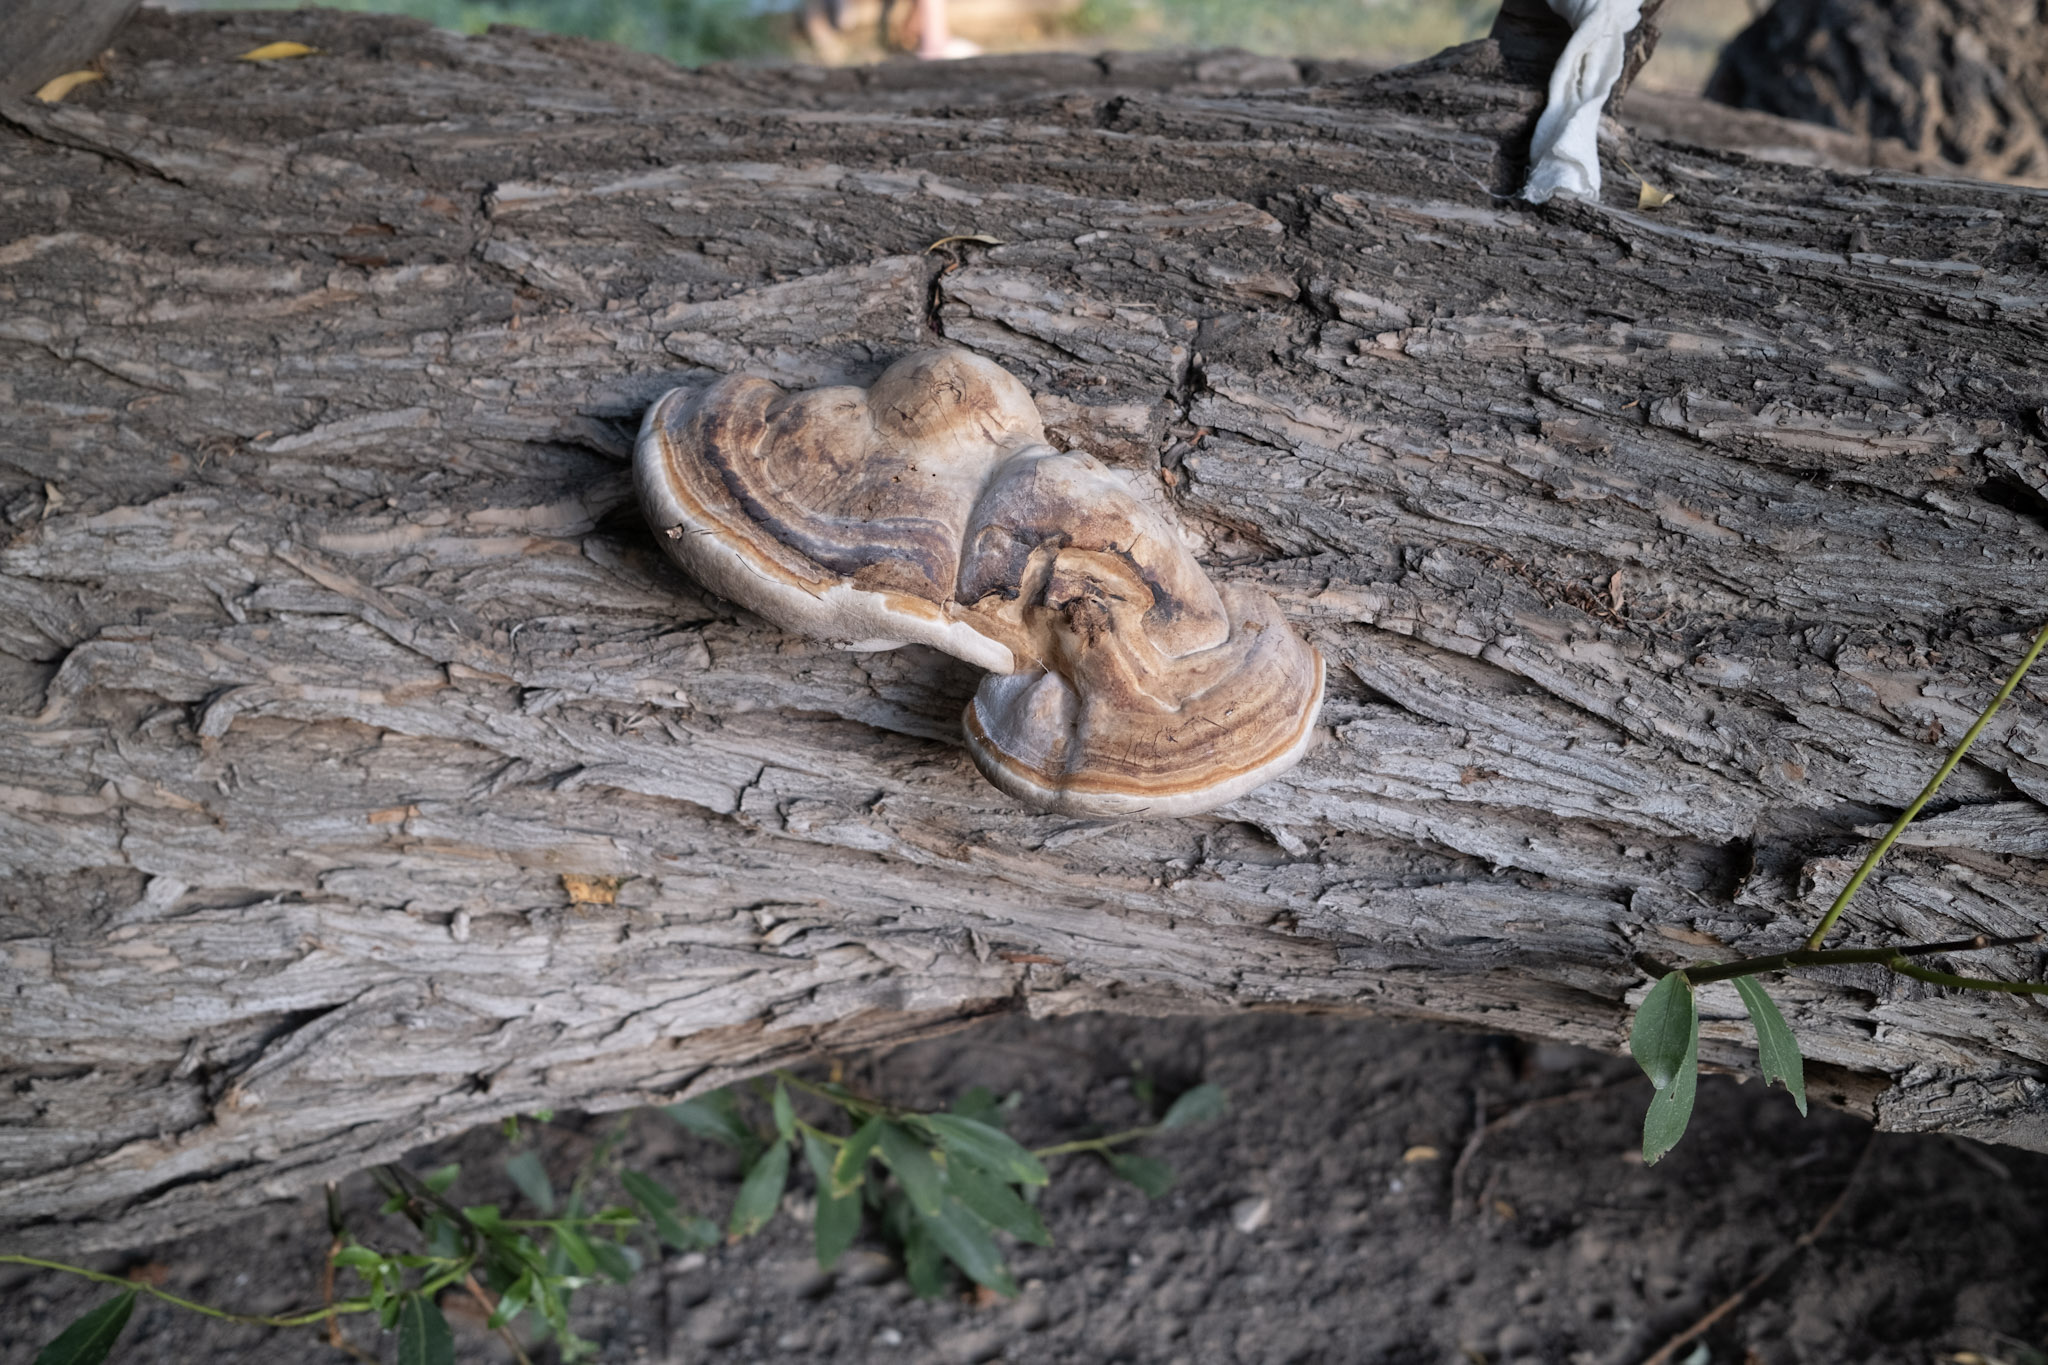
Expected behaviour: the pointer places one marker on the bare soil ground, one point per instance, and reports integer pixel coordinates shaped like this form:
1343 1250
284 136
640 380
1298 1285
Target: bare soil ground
1303 1228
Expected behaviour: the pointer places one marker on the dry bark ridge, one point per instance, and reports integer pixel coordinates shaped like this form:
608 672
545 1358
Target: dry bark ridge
1653 556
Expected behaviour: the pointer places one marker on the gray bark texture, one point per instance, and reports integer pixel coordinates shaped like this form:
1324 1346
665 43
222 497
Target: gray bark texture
366 773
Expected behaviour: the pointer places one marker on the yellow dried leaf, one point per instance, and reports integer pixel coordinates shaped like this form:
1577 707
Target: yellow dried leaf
1423 1153
58 87
981 237
271 52
1649 197
586 889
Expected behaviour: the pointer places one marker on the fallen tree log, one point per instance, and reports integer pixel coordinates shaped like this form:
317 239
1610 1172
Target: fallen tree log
368 773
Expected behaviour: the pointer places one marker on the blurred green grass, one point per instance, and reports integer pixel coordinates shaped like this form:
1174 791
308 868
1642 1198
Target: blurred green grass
1372 30
1384 32
687 32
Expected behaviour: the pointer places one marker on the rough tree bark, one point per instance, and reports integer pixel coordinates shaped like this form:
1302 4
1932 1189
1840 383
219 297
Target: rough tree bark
368 774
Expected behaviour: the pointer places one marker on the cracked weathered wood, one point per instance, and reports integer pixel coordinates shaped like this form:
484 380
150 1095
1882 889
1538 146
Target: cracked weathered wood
1656 558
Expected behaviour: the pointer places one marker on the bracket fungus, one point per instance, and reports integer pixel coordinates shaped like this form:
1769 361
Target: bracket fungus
929 508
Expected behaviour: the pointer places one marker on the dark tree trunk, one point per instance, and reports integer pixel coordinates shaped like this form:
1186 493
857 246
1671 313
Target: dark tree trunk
366 773
1961 84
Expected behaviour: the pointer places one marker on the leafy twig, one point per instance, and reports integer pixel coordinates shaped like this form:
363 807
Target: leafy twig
302 1319
1882 957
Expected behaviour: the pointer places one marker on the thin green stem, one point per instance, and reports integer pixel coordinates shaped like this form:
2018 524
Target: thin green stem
1099 1144
1891 835
1830 957
1967 983
306 1319
852 1104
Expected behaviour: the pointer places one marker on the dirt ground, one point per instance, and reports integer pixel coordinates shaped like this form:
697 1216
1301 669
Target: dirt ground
1297 1231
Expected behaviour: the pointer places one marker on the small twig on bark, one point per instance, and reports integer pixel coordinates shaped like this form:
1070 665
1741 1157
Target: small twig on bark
1664 1354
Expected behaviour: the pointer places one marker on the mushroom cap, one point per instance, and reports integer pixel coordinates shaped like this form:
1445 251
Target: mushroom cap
929 508
1124 735
838 513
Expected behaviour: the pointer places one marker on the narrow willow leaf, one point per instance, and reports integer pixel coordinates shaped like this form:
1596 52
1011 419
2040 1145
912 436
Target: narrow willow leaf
849 1168
989 1148
1200 1105
441 1177
1776 1047
1671 1107
965 1241
838 1218
694 1234
915 1170
620 1263
423 1335
1666 1022
785 1113
760 1192
577 1248
512 1302
531 1176
1148 1173
995 1202
717 1116
924 1265
981 1105
88 1340
358 1258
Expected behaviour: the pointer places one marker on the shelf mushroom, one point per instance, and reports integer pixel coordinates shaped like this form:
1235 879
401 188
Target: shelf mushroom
929 508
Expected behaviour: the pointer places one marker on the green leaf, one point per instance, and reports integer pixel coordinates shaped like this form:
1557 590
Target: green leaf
1667 1023
423 1335
88 1340
924 1265
717 1116
441 1235
577 1248
964 1240
981 1105
512 1302
989 1148
760 1192
1775 1045
838 1218
531 1177
358 1258
849 1168
441 1177
994 1202
1201 1105
915 1170
1671 1107
1148 1173
619 1262
693 1234
785 1113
